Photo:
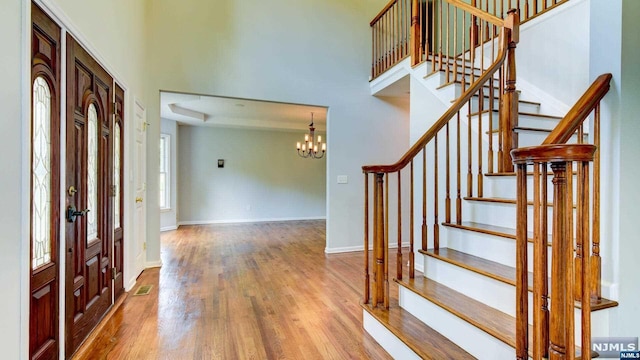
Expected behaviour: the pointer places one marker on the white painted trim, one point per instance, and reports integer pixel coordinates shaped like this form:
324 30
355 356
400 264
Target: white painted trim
242 221
169 228
153 264
397 72
25 209
346 249
130 284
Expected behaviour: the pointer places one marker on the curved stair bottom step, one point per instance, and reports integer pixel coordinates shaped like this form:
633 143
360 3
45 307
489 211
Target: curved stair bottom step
472 339
404 336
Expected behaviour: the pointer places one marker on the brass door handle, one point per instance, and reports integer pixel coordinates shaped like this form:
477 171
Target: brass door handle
138 199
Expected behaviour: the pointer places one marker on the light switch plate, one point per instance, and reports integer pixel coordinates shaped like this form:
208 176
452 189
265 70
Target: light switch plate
343 179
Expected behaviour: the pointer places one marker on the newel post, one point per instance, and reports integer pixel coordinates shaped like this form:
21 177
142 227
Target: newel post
416 48
562 255
509 103
378 240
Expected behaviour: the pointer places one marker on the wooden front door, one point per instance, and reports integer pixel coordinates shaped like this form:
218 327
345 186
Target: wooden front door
89 176
118 194
45 186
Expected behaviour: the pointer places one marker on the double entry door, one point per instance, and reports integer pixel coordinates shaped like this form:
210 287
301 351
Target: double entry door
92 191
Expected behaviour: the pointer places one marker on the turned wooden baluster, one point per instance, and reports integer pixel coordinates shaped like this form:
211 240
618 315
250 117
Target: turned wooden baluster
385 244
411 248
416 33
522 281
366 239
424 199
378 240
596 263
509 103
399 253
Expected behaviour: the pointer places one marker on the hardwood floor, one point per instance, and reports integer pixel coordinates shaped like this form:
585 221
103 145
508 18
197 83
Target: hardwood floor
245 291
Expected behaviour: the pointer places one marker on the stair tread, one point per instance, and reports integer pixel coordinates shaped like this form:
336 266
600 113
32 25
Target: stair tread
501 231
492 321
492 269
519 113
497 271
513 173
422 339
519 100
500 200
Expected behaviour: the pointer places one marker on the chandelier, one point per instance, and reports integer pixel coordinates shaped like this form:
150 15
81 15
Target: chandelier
310 149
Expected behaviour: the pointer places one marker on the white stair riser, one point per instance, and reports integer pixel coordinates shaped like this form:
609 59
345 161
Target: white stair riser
494 248
524 107
538 122
494 293
503 214
475 341
389 342
532 138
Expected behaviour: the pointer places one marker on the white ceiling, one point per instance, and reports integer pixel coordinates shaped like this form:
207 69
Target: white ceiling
204 110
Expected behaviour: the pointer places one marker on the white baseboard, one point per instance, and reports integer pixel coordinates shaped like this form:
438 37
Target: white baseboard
130 284
346 249
153 264
242 221
169 228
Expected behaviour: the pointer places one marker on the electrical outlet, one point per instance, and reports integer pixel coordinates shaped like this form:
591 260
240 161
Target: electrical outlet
343 179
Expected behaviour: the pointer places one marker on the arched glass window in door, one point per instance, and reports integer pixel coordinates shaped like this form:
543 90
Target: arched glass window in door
41 174
116 175
92 174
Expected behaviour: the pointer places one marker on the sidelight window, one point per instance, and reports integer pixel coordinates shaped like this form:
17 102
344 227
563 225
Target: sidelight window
41 174
116 175
92 174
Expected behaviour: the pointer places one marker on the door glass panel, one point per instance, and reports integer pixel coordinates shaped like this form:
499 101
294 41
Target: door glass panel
92 174
116 176
41 174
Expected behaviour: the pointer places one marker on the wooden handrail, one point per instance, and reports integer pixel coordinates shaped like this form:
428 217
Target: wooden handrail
447 116
553 153
480 14
579 112
382 12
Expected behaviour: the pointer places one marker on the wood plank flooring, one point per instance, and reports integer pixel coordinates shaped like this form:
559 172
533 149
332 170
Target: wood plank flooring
246 291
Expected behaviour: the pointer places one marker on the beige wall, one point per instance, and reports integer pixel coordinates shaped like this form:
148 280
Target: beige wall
13 239
263 177
308 52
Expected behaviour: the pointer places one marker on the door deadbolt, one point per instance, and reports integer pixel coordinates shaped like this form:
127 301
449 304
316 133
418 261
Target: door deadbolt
72 213
72 190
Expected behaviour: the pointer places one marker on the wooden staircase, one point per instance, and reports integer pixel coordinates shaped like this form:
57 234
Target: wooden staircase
481 258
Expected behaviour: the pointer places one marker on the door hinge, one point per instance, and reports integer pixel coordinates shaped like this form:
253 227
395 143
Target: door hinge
144 246
113 273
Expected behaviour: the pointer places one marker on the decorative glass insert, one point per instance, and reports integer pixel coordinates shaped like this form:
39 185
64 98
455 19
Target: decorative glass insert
41 174
116 175
165 165
92 174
